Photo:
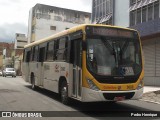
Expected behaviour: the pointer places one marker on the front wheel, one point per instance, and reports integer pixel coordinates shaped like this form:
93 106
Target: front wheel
33 82
64 93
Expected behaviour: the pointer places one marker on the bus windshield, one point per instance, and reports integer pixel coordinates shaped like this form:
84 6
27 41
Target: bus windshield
111 56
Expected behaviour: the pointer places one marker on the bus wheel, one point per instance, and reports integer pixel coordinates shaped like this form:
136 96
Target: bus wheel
33 82
64 93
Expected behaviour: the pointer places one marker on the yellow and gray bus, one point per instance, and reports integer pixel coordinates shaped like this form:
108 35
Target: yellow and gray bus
88 63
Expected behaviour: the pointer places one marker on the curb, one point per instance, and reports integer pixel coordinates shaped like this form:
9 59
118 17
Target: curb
149 101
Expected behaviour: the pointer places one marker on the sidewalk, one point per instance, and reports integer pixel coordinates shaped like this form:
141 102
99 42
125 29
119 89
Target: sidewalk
151 94
150 89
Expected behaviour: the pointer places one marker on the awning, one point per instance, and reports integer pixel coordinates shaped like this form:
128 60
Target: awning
141 4
106 18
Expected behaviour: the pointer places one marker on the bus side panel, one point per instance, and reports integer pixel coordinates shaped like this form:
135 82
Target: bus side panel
65 72
34 70
51 76
39 74
25 71
52 73
70 80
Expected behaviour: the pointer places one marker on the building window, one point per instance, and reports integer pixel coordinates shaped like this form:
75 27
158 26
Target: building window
132 2
97 14
77 15
43 16
150 12
52 27
108 6
33 29
138 16
104 12
138 1
144 14
93 15
57 18
132 18
101 9
156 10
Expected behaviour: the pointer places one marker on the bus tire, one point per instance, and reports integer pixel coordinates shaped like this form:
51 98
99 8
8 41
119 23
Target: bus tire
33 86
64 93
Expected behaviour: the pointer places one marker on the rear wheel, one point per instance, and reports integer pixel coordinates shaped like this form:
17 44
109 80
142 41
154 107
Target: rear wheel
64 93
33 82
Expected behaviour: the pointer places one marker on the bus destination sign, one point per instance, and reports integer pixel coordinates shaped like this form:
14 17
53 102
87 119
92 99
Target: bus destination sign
112 32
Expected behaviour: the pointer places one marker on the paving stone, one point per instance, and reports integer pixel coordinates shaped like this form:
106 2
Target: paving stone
152 96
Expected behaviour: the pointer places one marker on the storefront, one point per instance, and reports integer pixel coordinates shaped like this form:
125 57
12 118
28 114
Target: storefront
151 52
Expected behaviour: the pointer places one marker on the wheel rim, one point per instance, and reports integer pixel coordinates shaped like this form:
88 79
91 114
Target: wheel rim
33 83
64 93
32 86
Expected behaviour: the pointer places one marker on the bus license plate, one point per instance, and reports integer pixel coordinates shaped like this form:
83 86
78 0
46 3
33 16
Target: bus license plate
119 98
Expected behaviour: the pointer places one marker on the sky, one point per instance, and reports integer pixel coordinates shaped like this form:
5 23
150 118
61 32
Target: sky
14 14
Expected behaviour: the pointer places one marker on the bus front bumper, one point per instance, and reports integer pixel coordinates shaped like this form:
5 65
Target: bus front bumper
90 95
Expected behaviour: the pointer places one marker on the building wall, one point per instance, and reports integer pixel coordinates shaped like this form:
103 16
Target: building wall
47 20
1 61
151 50
20 41
43 28
8 46
144 16
29 34
102 11
121 13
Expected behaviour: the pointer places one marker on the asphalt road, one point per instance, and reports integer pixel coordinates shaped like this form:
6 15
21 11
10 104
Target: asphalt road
17 95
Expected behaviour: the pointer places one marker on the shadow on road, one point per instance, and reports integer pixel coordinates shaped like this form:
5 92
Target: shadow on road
97 109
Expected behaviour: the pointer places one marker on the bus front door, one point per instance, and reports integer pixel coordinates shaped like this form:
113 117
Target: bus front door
76 46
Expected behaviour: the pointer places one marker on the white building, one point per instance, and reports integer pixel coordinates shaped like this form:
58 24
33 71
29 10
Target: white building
20 41
47 20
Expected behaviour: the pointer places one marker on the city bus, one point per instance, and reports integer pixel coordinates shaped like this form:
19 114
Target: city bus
89 63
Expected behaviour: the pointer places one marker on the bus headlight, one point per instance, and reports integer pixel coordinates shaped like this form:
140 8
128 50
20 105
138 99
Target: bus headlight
92 85
140 85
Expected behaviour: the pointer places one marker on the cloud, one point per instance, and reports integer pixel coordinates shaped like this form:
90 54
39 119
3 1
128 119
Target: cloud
9 2
8 31
15 14
87 2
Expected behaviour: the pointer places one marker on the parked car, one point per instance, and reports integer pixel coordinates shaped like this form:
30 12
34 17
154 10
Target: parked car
9 72
0 73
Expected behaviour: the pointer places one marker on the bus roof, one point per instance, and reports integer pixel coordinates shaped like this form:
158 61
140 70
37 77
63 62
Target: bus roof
69 31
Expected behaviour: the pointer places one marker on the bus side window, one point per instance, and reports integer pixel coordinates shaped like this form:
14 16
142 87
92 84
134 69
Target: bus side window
56 46
42 52
33 53
50 51
62 49
24 55
36 53
66 54
28 56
